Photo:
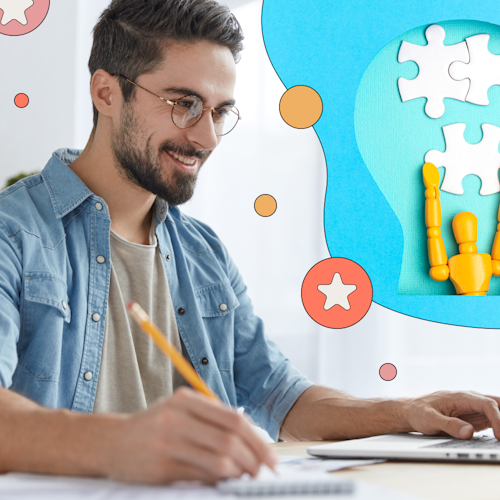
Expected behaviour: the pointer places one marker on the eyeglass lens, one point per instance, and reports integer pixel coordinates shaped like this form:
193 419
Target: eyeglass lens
188 110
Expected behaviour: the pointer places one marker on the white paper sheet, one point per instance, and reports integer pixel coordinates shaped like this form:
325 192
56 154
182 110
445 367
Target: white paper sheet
297 463
20 486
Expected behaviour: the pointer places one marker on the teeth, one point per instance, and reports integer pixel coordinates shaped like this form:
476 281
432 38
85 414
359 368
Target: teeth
186 161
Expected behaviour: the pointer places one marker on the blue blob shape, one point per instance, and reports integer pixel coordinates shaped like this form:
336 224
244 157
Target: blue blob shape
328 45
393 138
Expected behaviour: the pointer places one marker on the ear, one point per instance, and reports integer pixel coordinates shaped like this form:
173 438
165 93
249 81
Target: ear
106 93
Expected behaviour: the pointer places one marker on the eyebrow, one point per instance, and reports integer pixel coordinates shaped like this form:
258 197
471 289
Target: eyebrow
186 91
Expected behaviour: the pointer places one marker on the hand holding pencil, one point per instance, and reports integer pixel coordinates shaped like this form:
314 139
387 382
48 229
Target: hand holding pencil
188 436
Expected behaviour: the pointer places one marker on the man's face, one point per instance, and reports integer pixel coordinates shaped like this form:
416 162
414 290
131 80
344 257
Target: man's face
151 151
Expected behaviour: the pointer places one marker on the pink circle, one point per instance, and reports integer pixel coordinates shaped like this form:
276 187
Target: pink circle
34 14
388 372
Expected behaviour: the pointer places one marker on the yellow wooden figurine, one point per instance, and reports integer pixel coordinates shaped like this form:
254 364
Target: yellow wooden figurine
470 272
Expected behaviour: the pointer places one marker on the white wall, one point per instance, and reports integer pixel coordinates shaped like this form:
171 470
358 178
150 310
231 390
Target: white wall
263 155
39 64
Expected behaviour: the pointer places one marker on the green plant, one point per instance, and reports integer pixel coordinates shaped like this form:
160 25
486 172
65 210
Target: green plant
18 177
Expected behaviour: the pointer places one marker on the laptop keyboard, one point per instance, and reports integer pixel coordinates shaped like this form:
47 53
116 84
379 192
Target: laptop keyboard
486 442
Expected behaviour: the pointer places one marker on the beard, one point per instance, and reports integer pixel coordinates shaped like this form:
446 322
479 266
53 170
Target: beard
144 168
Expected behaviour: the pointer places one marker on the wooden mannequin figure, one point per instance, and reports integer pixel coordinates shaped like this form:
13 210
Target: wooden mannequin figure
469 271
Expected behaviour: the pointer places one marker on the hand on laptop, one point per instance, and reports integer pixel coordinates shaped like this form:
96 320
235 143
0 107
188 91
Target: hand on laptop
186 437
459 414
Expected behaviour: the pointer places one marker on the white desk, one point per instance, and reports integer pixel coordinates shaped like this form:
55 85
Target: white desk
386 481
436 481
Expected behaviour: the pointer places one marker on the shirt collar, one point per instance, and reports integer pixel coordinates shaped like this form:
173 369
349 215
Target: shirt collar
67 191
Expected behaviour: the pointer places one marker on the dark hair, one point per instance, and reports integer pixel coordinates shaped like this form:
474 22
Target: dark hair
131 34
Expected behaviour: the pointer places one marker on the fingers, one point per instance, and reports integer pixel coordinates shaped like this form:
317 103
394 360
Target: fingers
199 433
484 405
228 421
453 426
179 471
493 414
455 412
215 466
479 422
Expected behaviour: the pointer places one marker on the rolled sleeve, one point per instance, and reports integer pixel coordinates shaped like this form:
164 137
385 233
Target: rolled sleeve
267 385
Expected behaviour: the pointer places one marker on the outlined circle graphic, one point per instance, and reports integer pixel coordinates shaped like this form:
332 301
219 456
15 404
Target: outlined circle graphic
18 17
21 100
265 205
388 372
301 106
325 273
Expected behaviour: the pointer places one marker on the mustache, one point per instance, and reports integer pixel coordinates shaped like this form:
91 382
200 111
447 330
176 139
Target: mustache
186 150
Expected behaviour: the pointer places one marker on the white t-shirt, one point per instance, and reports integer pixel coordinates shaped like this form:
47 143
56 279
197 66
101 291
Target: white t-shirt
134 373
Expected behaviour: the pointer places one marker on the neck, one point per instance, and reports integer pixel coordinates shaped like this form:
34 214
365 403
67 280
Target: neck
130 206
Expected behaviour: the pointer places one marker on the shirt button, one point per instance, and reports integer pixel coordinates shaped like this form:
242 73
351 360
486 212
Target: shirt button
65 306
167 257
181 311
101 259
96 317
223 307
87 376
99 206
204 361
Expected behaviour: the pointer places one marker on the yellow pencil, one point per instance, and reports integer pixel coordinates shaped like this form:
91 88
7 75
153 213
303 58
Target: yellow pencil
178 360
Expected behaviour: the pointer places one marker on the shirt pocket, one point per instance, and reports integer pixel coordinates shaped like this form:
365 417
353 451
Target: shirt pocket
217 304
46 311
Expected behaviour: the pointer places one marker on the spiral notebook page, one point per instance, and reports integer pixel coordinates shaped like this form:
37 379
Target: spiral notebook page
286 481
296 475
17 486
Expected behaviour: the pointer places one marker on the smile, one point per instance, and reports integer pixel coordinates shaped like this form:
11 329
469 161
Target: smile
186 163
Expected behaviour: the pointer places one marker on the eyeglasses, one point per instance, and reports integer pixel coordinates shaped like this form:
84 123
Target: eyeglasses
187 110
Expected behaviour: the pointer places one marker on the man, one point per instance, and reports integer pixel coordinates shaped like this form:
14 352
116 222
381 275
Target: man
84 391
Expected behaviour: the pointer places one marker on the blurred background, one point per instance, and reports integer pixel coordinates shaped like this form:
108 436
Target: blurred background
262 155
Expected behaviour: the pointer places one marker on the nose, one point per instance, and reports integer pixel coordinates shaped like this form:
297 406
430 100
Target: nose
203 131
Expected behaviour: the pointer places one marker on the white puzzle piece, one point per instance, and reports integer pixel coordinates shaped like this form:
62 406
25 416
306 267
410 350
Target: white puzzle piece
483 70
433 81
461 159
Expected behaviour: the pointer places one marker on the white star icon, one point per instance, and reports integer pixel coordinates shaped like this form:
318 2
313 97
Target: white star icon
336 293
15 9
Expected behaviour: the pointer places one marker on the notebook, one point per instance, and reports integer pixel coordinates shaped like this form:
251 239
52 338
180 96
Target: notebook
287 481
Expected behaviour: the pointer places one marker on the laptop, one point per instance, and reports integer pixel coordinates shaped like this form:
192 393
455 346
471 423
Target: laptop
483 447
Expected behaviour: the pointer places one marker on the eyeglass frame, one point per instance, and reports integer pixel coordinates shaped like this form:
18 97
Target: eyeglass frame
176 101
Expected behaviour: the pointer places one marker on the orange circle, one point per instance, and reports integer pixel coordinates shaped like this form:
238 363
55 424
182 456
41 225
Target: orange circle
301 106
323 273
265 205
21 100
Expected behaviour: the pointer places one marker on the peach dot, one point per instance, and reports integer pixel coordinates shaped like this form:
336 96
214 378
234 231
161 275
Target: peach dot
301 106
21 100
265 205
388 372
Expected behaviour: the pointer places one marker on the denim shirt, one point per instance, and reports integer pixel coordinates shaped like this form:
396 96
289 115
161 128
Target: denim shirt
54 296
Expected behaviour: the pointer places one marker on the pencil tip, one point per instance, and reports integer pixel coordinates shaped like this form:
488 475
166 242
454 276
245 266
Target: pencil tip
130 305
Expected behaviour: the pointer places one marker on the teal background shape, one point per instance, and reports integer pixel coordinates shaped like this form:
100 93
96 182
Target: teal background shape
328 45
393 138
